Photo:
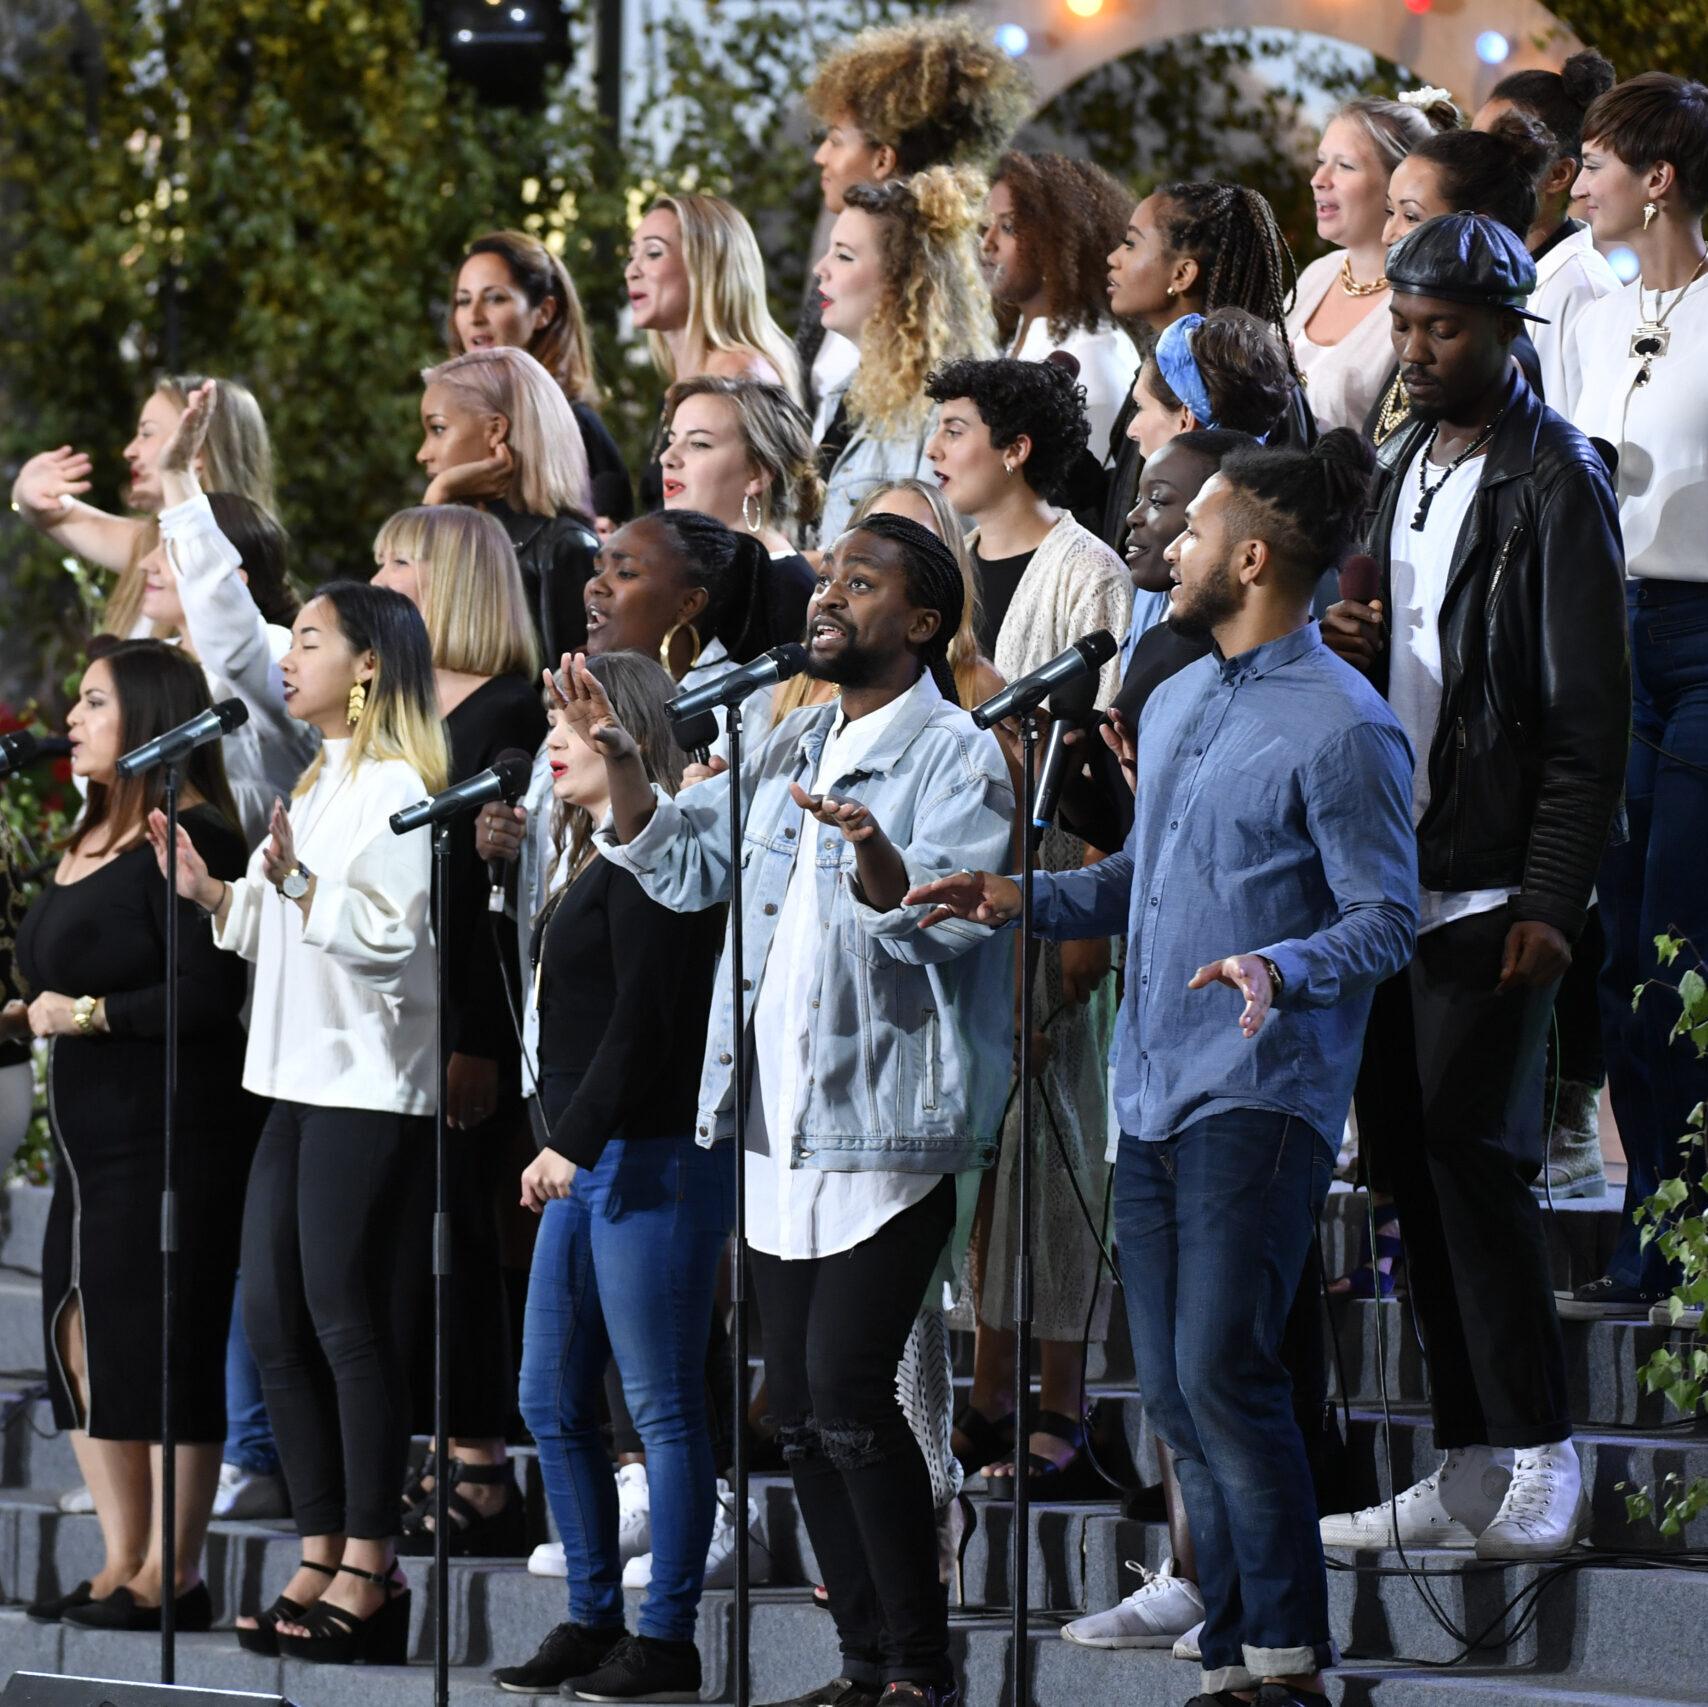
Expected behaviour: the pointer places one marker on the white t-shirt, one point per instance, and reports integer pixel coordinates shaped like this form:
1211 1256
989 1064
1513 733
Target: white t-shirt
799 1213
1571 275
1341 380
1108 359
1420 566
1659 429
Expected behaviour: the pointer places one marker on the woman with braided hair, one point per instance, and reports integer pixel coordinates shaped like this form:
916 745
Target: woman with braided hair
901 278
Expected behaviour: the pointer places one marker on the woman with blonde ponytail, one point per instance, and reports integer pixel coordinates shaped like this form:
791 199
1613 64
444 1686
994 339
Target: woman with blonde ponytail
900 278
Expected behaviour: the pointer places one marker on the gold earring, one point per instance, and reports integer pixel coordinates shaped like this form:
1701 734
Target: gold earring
1172 291
356 704
754 523
1649 212
664 645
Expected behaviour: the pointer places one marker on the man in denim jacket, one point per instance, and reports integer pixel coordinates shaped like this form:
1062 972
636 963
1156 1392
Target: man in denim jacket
874 1047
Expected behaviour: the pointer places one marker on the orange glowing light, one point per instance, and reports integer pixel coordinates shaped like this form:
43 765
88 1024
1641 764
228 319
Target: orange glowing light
1085 8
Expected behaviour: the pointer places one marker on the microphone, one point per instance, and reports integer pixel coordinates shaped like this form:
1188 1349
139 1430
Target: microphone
506 780
777 665
177 744
1082 658
1071 707
1360 580
23 747
695 735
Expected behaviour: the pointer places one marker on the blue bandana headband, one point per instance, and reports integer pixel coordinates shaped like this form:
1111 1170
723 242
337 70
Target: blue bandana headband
1175 362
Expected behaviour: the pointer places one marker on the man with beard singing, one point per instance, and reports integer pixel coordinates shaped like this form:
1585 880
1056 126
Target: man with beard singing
1271 856
871 1042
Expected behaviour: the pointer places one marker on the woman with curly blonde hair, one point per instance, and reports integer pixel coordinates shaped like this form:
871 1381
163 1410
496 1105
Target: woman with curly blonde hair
901 279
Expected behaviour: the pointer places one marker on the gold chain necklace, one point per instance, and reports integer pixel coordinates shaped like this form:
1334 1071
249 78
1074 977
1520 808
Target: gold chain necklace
1352 287
1651 337
1395 412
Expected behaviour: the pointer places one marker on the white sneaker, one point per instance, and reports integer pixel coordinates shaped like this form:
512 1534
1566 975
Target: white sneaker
720 1556
78 1501
1155 1615
547 1560
634 1513
1187 1647
1689 1316
241 1495
1449 1509
1545 1506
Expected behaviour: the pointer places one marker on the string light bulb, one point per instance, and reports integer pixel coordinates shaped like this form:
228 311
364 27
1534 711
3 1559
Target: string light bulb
1493 47
1012 39
1085 8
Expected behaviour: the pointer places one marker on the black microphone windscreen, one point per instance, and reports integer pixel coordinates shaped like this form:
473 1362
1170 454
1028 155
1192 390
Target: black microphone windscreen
791 659
1360 579
232 714
1098 647
515 770
694 734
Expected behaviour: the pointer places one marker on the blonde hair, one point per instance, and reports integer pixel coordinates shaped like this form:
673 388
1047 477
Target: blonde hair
1395 128
965 660
727 310
122 609
543 436
934 304
778 437
561 346
472 597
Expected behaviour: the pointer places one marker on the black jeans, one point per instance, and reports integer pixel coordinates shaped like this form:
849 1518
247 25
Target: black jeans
834 1328
1579 1053
1461 1134
321 1233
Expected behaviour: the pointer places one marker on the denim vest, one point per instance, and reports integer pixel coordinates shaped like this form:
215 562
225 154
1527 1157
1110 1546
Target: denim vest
909 1061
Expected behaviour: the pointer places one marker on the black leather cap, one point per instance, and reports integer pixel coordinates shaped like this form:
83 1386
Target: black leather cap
1465 257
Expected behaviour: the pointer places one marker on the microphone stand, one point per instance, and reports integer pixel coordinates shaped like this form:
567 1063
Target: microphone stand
173 772
1019 1550
442 1279
738 1246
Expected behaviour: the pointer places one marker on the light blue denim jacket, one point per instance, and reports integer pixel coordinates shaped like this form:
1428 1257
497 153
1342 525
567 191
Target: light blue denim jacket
909 1060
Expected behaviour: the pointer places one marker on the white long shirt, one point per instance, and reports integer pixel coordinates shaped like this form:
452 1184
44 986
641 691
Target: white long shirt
344 1012
1108 362
1570 276
799 1213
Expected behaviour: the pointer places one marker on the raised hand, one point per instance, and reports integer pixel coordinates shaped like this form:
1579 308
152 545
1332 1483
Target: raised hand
849 816
979 896
194 881
47 481
585 707
184 443
1247 974
280 858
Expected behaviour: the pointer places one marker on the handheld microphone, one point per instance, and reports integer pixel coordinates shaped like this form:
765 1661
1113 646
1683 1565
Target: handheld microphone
506 780
777 665
1084 657
1071 707
23 748
177 744
695 735
1360 579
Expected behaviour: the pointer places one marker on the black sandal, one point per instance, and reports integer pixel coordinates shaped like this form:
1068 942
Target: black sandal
263 1636
987 1441
475 1534
339 1638
1045 1479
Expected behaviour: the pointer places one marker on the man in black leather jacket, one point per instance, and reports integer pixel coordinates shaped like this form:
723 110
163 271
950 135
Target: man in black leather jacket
1498 637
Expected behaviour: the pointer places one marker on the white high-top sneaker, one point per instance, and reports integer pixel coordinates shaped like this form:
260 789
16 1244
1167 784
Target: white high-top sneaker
1159 1611
1449 1509
634 1513
720 1556
1545 1506
547 1560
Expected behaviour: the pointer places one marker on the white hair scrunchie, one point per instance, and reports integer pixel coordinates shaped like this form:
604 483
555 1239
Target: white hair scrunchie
1423 98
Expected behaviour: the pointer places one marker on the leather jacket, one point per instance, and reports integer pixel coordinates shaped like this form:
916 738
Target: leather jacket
1527 765
555 555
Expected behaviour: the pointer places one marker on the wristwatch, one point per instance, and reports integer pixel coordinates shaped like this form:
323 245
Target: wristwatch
83 1015
1276 980
294 884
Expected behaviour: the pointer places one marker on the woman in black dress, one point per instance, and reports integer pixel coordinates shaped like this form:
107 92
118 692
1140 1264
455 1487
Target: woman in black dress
92 948
457 566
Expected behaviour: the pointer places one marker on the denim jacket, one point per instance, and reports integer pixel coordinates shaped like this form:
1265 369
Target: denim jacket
909 1061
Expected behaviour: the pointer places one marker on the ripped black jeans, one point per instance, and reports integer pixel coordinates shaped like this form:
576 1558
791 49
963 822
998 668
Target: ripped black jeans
834 1328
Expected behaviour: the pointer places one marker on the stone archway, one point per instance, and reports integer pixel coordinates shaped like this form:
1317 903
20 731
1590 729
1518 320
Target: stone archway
1439 45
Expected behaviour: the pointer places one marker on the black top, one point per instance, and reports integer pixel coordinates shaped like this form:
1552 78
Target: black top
555 554
503 712
998 577
605 464
625 995
105 935
789 583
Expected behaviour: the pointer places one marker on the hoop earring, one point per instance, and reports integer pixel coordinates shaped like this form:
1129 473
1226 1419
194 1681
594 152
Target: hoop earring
1649 212
356 704
664 645
754 523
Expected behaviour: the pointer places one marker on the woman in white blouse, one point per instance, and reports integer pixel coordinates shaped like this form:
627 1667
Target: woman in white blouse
1339 319
333 912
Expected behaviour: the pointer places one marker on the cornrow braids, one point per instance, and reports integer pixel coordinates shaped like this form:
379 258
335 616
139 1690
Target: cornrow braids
1230 231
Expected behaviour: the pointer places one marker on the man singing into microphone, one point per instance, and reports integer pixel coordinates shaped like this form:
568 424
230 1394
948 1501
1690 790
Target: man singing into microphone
1271 854
871 1042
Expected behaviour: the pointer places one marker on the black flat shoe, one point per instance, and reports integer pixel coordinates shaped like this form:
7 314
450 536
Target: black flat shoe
839 1692
641 1668
474 1534
1289 1695
263 1638
569 1650
192 1612
339 1638
50 1611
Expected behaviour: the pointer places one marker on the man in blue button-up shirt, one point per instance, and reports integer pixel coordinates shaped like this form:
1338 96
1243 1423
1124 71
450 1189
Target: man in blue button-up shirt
1272 854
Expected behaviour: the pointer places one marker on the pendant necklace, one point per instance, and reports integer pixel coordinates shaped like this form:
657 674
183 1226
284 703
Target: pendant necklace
1426 489
1652 337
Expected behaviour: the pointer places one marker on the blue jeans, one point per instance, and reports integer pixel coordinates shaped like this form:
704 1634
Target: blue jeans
1650 885
626 1267
1214 1225
249 1442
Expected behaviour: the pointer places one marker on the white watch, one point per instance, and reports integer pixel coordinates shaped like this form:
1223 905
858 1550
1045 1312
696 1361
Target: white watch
294 884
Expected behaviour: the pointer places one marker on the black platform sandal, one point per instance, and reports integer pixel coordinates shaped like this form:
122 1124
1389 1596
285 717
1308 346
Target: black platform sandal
1046 1480
339 1638
987 1441
263 1636
475 1534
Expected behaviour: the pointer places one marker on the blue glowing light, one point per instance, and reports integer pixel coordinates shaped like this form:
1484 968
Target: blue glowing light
1624 263
1492 47
1012 39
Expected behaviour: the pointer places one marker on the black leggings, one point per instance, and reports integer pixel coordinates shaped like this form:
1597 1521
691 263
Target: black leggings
834 1330
321 1228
